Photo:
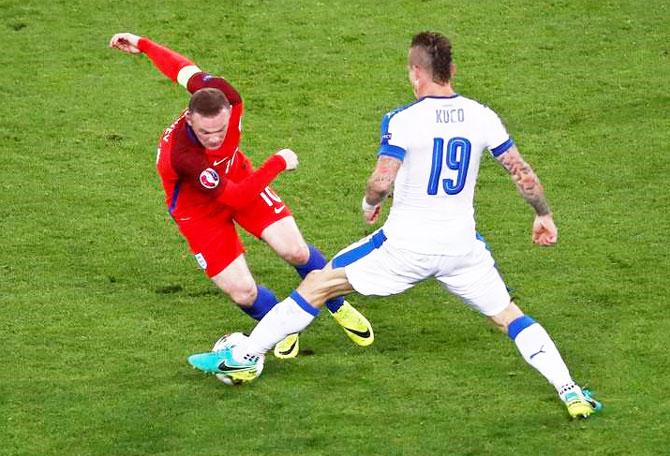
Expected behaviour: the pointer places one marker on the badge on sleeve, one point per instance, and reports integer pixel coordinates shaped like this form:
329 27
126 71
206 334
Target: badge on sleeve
209 178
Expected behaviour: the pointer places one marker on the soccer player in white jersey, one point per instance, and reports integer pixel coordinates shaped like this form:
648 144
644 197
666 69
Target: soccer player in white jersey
429 155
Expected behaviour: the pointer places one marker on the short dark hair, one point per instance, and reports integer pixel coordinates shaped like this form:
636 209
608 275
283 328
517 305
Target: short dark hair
437 49
208 102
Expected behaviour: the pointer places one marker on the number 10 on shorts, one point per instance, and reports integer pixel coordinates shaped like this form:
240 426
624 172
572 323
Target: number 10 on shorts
270 197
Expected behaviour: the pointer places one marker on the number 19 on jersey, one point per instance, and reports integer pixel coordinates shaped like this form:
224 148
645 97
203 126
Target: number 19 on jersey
457 159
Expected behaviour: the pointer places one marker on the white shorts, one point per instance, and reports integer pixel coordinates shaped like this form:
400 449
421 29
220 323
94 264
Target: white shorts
375 268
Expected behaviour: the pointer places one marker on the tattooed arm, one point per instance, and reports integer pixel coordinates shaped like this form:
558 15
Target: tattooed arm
379 186
545 232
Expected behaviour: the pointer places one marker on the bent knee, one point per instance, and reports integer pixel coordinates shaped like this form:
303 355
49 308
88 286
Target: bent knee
296 254
242 294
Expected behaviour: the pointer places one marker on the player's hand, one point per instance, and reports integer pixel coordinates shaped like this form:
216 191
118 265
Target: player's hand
545 232
371 212
126 42
372 216
290 158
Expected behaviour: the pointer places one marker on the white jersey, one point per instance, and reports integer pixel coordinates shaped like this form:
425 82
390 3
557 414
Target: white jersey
440 141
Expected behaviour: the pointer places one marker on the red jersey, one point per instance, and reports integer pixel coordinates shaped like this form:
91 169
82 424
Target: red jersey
197 180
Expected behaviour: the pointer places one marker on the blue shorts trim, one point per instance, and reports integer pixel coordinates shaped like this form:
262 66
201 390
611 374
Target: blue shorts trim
479 237
346 258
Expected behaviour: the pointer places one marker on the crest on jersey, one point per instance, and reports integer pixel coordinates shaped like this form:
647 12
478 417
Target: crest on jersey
209 178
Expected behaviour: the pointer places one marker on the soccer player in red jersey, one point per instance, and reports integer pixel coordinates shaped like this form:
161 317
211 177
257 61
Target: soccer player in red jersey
210 186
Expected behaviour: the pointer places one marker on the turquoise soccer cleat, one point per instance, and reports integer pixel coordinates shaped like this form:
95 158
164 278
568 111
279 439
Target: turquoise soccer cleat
222 362
588 395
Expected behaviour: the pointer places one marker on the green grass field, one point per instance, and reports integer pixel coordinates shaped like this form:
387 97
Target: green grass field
101 302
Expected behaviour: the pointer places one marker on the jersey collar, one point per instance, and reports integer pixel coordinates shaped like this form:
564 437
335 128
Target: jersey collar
440 97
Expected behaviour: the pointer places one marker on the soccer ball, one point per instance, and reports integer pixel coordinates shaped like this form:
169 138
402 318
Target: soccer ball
230 341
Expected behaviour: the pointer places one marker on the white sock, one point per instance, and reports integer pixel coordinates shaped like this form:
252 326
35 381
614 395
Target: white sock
290 316
539 351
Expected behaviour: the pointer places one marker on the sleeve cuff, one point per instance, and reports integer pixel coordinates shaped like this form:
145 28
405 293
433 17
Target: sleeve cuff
185 74
501 149
143 44
276 163
389 150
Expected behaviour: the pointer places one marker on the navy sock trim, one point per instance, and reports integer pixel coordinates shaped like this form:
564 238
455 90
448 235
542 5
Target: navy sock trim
335 304
316 261
519 325
304 305
265 301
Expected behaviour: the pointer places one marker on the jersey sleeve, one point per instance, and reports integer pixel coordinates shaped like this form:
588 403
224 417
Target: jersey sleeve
183 71
498 140
393 142
172 64
193 168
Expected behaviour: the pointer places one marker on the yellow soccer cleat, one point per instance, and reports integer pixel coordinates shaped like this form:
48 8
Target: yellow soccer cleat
357 327
288 347
581 405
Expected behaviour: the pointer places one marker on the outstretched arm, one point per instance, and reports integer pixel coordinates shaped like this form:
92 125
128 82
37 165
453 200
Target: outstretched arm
379 186
545 232
240 194
172 64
